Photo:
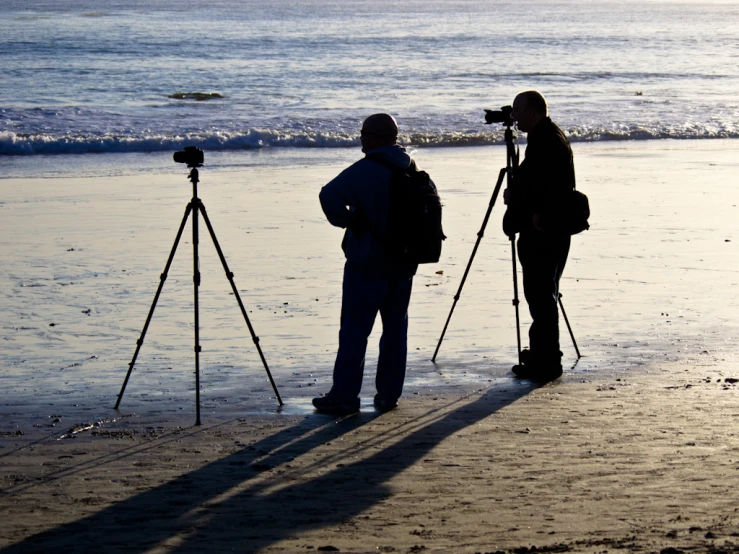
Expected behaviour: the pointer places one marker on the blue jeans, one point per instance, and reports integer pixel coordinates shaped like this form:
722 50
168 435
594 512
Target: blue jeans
362 298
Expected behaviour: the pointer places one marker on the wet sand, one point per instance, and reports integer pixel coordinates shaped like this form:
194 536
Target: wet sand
634 448
631 461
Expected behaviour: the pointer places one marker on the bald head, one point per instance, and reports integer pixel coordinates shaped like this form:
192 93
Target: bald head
534 100
529 108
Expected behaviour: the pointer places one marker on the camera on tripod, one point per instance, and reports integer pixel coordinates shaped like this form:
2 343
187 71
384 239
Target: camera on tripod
194 158
502 115
191 155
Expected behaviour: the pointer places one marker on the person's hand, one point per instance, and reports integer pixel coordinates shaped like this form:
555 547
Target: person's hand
354 221
506 196
535 222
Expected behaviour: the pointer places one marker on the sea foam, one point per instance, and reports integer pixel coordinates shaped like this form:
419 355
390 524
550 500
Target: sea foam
70 143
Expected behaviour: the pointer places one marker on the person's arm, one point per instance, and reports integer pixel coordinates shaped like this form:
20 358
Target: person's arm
338 202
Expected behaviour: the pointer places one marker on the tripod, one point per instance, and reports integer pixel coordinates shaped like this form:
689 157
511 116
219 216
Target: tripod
195 206
508 172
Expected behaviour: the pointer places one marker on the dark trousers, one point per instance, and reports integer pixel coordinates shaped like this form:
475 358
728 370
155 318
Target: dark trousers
543 258
362 298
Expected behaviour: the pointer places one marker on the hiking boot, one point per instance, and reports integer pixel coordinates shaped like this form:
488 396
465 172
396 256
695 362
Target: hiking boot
331 405
527 357
383 405
538 373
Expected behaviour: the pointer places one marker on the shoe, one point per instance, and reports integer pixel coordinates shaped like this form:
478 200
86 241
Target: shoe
539 374
527 357
385 405
329 405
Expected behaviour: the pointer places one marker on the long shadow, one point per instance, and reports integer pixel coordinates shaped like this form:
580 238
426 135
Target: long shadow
232 503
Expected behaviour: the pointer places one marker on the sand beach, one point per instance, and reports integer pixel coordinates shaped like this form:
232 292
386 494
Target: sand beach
635 448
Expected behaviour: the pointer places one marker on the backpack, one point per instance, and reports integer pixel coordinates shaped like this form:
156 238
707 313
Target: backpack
414 232
572 213
579 212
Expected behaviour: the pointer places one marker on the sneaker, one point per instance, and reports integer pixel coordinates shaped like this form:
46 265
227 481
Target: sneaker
383 405
328 405
538 373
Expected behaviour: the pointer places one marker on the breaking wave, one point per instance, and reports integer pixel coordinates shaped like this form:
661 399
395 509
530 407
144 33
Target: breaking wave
70 143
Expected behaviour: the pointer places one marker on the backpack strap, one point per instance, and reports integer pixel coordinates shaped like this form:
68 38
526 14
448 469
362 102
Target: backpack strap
391 166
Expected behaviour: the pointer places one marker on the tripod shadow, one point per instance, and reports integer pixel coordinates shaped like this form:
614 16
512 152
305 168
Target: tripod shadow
230 503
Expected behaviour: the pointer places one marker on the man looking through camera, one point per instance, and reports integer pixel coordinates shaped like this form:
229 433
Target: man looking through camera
357 200
541 183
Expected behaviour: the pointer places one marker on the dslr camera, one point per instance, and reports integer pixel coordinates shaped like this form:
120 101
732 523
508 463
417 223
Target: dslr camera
191 155
502 115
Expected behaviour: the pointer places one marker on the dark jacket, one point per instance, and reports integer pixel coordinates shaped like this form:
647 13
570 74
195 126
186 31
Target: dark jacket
543 179
357 200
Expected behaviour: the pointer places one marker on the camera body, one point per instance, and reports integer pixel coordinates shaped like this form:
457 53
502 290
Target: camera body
499 116
191 155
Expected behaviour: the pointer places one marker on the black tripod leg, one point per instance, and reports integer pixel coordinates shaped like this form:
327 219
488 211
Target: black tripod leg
230 276
567 321
515 295
162 278
196 287
480 234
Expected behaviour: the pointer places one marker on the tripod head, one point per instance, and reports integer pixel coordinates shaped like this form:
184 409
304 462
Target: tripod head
194 158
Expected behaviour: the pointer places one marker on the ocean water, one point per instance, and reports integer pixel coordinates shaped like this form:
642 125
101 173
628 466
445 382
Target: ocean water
151 76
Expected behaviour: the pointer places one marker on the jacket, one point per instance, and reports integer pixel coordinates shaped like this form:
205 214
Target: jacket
543 179
357 200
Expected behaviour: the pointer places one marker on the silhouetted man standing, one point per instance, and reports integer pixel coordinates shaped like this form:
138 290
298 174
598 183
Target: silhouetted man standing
541 183
357 199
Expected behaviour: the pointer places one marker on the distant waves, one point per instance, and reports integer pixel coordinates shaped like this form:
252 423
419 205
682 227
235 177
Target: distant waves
70 143
17 144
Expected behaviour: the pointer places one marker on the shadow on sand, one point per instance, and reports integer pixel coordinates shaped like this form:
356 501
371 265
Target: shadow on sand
232 503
